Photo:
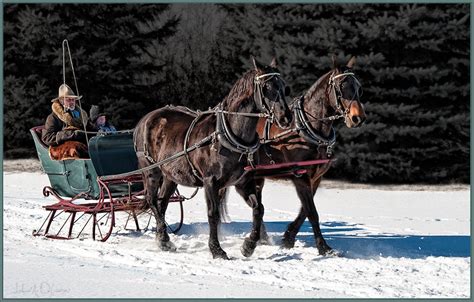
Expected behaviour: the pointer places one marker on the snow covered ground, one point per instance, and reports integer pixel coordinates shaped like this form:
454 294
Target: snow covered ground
396 244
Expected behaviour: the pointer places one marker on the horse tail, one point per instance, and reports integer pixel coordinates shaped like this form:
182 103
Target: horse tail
224 216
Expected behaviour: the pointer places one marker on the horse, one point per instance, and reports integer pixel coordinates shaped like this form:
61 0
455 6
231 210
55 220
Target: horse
219 141
334 95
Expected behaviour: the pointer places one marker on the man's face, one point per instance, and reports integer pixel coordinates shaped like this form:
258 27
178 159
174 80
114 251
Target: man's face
69 103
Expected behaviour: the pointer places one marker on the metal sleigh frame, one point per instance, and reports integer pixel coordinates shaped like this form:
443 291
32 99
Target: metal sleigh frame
99 215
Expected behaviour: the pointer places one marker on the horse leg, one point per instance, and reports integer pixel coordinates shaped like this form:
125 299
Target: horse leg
264 238
247 190
293 228
167 189
152 180
289 237
306 193
213 198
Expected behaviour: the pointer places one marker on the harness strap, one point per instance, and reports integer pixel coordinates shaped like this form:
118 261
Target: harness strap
185 149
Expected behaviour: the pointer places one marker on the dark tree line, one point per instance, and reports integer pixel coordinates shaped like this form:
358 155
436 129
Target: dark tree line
413 62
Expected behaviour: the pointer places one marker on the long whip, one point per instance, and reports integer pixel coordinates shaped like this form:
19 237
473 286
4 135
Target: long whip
66 45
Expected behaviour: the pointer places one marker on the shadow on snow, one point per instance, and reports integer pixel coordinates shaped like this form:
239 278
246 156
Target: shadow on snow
338 235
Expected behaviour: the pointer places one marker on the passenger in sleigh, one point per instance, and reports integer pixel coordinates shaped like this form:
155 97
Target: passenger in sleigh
63 130
100 121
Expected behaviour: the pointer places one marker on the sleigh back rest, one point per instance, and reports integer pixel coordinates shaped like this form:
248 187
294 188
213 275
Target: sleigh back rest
67 177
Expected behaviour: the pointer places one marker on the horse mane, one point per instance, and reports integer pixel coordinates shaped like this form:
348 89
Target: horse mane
313 89
242 90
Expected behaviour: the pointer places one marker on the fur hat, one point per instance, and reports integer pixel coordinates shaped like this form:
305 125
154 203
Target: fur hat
95 113
65 91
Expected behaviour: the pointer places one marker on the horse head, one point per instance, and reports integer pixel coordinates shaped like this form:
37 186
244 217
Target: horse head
345 91
270 93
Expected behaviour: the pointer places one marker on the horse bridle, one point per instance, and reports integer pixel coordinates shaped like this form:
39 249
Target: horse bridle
303 126
336 91
262 105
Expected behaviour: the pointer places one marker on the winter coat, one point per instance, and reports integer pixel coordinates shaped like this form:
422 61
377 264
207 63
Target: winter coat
61 126
106 128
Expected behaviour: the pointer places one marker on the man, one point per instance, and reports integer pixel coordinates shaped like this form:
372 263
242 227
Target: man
65 122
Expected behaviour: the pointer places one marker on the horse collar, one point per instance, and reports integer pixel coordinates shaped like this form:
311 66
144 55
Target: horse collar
306 131
229 141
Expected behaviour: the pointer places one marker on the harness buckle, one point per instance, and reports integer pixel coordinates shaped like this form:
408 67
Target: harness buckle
250 160
213 142
329 150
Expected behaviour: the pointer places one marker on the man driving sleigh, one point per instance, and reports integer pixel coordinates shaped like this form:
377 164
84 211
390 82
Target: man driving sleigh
63 130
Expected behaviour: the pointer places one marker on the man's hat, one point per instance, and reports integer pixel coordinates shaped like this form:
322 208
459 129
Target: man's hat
66 92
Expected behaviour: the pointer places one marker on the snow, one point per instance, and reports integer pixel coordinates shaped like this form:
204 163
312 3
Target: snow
395 244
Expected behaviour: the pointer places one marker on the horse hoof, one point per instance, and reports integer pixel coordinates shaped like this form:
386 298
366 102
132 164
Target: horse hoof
248 247
167 246
220 255
333 253
326 251
288 243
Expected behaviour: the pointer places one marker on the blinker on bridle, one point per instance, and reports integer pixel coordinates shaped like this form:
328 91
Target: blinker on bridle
263 106
336 89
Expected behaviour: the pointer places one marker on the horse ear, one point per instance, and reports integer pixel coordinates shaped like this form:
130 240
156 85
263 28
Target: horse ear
257 65
351 62
274 63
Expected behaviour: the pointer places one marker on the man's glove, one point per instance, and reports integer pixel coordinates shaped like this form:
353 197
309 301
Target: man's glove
64 135
69 135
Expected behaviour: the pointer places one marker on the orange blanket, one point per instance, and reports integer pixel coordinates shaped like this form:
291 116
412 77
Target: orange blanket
69 150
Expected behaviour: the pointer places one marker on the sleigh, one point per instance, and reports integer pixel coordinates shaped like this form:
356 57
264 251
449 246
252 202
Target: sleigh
88 198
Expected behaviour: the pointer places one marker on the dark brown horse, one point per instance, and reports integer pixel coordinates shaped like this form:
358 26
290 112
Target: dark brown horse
334 95
225 141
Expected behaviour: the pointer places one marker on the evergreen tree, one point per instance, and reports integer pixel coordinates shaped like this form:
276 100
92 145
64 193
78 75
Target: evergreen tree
196 73
413 62
111 47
